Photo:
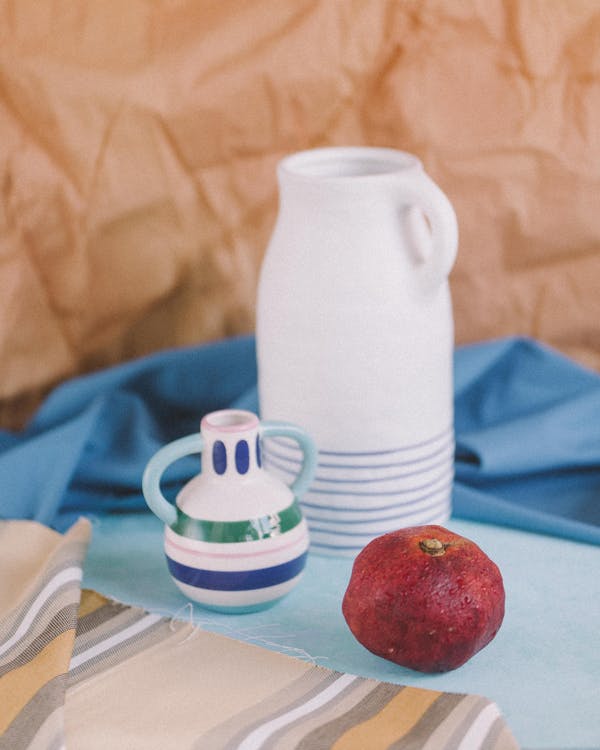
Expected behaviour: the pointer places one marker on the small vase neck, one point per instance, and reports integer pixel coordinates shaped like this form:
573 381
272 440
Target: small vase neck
231 445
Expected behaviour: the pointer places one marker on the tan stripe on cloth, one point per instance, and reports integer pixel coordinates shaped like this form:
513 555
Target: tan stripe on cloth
138 680
39 595
391 723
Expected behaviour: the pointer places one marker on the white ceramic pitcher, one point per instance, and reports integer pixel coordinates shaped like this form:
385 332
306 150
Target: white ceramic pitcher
355 340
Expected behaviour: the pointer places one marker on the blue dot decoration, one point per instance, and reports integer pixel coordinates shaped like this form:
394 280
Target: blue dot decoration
258 453
242 457
219 457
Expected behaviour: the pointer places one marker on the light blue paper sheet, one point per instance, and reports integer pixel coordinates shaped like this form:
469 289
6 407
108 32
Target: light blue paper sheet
542 668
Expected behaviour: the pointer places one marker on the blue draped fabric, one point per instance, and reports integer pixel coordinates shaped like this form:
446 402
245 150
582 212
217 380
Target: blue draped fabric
527 424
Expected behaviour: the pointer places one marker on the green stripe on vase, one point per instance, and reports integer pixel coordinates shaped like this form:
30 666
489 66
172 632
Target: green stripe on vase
231 532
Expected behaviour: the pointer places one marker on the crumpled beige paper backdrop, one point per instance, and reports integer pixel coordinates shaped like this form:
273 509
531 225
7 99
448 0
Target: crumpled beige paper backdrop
138 145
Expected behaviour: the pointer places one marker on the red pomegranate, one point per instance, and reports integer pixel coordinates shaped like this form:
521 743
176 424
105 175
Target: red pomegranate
424 598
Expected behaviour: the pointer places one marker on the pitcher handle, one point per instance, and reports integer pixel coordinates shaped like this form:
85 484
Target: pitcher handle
307 446
422 192
155 468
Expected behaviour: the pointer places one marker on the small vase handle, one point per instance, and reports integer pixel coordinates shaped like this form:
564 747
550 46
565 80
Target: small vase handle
307 446
421 191
157 465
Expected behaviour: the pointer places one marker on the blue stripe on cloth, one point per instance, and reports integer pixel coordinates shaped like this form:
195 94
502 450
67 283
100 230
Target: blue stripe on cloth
237 580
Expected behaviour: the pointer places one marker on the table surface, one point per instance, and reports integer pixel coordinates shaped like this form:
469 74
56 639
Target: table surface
542 669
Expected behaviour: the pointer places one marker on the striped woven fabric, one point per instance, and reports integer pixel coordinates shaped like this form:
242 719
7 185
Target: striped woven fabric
111 675
39 596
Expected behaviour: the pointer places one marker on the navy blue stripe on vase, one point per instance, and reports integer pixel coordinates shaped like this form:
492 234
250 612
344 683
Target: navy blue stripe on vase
258 452
236 580
242 457
219 457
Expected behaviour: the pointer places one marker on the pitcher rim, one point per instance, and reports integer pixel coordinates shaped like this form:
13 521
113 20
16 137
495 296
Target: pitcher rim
366 163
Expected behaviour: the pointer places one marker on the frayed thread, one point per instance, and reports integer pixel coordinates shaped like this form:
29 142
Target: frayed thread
186 615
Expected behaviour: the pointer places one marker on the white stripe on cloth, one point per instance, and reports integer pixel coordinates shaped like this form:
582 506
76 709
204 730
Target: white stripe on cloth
256 738
114 640
479 729
68 575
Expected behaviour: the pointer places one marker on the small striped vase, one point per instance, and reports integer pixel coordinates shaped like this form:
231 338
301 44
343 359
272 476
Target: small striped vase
235 540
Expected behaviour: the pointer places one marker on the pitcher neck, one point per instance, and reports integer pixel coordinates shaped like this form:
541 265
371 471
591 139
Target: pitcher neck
343 175
231 444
